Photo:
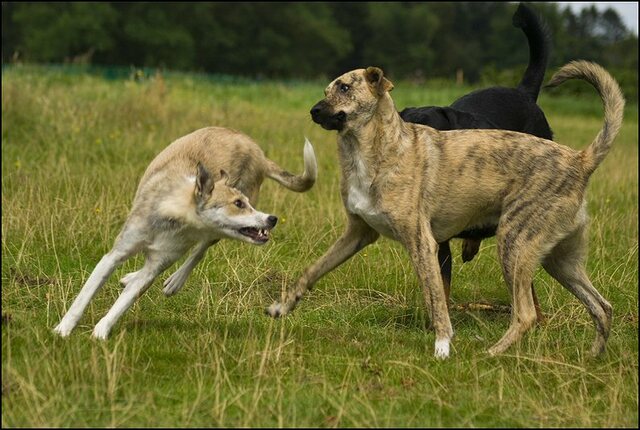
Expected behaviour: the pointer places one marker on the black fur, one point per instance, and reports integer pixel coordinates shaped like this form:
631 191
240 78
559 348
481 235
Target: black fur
445 118
499 107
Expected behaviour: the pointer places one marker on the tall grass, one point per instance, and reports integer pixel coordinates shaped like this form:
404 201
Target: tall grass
355 352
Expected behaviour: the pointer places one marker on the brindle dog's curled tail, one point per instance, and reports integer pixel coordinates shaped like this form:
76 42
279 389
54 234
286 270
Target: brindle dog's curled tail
612 100
298 183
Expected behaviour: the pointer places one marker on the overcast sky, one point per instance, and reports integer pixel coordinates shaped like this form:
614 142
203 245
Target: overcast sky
627 10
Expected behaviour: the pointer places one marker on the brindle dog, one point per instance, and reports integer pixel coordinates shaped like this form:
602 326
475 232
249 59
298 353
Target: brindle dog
422 186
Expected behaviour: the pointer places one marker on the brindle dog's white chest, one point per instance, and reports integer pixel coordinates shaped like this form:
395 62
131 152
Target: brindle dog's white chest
361 203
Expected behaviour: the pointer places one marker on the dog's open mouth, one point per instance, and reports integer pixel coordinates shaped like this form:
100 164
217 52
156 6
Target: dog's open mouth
257 235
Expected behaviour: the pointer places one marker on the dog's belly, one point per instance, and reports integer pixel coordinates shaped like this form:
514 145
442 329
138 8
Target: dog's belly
480 225
174 242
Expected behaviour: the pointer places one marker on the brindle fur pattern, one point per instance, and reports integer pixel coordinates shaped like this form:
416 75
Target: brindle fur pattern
197 191
422 186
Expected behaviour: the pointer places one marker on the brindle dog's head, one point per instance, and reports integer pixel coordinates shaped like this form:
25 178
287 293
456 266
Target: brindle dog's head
351 100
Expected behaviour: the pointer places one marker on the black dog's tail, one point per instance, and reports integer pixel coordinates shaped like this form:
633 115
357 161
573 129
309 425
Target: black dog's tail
539 48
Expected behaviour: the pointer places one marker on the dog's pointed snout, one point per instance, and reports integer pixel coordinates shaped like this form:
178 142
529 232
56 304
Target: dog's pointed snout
272 220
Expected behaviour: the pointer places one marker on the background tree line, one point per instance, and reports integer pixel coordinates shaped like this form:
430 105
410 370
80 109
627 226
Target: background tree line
310 39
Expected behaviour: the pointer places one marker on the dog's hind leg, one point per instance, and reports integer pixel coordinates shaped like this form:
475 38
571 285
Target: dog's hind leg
176 281
518 267
127 244
156 263
566 264
357 235
470 248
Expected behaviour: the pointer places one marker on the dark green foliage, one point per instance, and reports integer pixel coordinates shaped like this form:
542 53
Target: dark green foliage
315 40
306 39
59 31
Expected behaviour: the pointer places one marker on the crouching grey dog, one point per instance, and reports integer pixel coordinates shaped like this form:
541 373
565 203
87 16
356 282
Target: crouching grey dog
198 190
421 186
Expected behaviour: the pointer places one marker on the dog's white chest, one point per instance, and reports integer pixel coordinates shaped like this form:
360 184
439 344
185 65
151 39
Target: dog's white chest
360 202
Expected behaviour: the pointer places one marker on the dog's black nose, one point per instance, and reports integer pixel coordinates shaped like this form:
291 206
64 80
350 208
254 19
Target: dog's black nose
317 109
272 220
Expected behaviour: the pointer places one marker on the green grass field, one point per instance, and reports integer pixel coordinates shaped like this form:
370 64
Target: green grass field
355 353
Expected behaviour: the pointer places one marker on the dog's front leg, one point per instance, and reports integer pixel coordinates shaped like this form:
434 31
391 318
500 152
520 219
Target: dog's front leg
156 263
176 281
357 235
109 262
423 249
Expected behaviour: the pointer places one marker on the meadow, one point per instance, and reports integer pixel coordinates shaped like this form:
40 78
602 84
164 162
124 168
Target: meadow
355 353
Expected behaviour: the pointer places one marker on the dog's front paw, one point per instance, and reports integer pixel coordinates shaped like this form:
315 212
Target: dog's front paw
101 331
63 329
442 349
276 310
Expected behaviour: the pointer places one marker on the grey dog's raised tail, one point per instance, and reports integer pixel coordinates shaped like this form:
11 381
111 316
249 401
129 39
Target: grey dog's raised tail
612 100
298 183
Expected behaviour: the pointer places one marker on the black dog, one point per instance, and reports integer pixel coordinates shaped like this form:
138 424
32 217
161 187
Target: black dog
494 108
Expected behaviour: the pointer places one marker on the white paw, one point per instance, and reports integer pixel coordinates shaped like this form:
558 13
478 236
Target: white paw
276 310
442 348
101 331
63 329
173 284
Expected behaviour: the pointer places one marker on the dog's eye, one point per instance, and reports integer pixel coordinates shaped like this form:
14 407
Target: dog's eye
239 203
344 88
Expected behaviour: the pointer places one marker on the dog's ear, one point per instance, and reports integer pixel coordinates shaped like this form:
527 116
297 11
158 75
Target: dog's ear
224 176
376 80
204 184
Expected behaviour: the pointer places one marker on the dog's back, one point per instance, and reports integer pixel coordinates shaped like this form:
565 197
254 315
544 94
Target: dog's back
445 118
507 109
218 149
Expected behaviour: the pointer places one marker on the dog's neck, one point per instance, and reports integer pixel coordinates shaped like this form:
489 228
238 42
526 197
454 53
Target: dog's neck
377 139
